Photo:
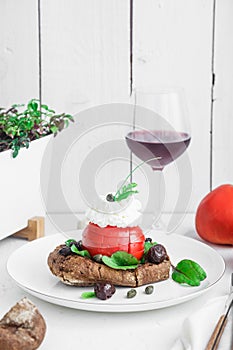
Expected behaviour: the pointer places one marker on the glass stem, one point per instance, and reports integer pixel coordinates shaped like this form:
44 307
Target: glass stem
155 202
159 197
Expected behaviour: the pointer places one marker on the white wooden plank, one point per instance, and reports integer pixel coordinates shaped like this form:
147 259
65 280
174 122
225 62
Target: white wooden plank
85 56
172 47
223 95
18 51
85 62
3 63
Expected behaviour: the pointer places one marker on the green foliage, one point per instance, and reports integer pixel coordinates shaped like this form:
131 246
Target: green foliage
20 124
125 191
69 241
80 252
88 295
188 272
121 260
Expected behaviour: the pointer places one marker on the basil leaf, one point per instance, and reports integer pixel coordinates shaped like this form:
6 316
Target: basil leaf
83 253
189 272
113 264
181 278
88 295
191 268
121 260
67 243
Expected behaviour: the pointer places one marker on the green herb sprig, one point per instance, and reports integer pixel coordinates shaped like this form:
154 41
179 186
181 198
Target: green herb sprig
127 190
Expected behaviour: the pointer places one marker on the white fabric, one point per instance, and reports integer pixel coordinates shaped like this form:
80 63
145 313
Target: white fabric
198 327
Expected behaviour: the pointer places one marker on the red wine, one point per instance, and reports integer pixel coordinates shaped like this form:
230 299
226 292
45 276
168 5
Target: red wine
147 144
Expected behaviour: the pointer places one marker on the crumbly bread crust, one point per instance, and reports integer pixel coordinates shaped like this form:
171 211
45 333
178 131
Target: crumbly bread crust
79 271
22 327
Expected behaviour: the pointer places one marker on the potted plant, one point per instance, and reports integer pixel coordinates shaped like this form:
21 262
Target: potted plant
24 134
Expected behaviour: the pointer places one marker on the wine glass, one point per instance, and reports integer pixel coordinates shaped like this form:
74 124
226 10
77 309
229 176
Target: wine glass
160 132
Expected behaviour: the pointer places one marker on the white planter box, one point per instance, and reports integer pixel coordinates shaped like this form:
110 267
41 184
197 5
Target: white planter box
20 197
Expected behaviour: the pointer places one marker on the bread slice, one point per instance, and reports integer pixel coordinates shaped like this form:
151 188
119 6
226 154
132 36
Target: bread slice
22 328
79 271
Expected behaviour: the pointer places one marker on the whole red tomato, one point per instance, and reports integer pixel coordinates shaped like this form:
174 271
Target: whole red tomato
110 239
214 217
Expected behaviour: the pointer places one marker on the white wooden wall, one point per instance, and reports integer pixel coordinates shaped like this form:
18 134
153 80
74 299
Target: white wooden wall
223 95
94 52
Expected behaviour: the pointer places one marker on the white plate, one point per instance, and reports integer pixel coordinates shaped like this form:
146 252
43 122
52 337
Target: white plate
28 267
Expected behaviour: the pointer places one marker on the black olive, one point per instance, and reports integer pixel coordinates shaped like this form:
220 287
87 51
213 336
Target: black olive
70 243
104 291
65 251
148 239
156 254
78 245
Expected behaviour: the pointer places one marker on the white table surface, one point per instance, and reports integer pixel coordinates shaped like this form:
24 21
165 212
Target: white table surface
70 329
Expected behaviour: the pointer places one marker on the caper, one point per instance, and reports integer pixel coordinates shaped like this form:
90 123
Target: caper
98 258
65 251
110 197
149 289
131 293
